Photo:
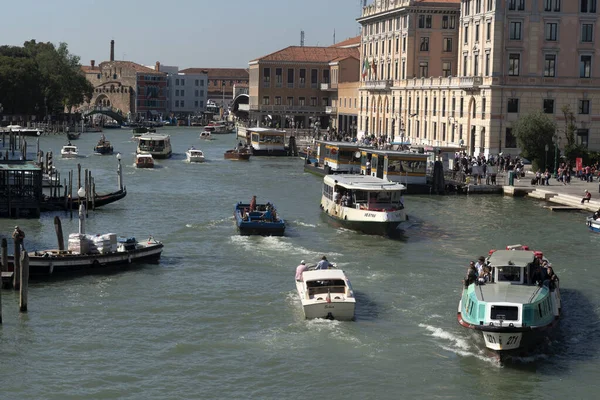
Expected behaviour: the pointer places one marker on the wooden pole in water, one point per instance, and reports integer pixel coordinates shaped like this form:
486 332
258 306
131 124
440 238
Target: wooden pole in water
24 282
78 176
65 194
86 193
93 194
17 264
71 177
59 233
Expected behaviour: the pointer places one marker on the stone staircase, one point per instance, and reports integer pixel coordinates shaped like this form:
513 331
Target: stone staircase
565 199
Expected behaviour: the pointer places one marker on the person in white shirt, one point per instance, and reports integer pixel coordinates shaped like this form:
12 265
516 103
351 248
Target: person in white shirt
300 269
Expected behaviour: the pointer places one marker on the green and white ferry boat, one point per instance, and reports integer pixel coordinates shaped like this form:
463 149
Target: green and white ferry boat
517 304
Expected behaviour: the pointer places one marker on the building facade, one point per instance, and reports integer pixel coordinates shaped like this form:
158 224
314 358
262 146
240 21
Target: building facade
508 58
186 92
135 91
220 82
297 86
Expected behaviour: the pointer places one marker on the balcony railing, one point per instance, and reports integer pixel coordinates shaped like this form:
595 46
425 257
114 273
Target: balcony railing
385 84
470 82
328 86
286 108
330 110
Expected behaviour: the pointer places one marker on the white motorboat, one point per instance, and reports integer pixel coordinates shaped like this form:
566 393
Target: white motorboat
218 127
144 161
205 135
69 151
23 131
194 155
364 203
326 293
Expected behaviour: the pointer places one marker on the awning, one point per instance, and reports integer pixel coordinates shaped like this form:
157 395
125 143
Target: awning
153 112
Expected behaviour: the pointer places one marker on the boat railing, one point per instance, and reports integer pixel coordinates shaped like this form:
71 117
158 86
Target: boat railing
151 148
379 206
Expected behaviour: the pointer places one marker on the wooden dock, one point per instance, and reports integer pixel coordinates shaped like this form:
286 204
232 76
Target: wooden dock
562 208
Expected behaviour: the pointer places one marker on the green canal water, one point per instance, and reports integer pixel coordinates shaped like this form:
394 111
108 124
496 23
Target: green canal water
219 317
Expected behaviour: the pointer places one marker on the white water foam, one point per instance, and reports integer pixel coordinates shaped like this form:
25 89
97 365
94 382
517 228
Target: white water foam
442 334
274 245
300 223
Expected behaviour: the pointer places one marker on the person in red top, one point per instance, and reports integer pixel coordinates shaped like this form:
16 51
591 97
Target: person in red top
253 204
586 197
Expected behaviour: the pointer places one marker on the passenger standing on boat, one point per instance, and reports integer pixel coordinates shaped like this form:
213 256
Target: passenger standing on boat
336 195
18 235
253 204
552 277
471 274
479 265
324 264
300 269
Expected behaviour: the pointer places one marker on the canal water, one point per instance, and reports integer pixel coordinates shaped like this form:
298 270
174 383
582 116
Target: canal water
219 316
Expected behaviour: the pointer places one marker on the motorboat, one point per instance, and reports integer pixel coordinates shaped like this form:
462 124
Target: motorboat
258 219
515 302
23 131
144 161
69 151
73 135
218 128
159 146
326 293
593 222
111 125
364 203
206 135
103 146
194 155
239 153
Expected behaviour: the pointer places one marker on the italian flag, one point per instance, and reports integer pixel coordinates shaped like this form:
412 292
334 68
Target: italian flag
365 68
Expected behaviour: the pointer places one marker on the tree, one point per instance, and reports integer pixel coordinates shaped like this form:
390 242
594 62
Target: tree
534 132
572 149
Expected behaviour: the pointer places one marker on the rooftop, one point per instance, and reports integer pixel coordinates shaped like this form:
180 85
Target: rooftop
310 54
350 42
219 73
122 64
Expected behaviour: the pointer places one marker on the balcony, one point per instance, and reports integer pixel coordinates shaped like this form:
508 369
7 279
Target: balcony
330 110
285 109
470 82
328 86
385 84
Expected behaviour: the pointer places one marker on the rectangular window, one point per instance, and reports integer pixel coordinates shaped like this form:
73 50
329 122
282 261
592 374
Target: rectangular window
452 22
512 4
521 4
514 61
551 31
404 44
477 6
447 44
182 92
325 101
583 137
466 34
483 107
266 77
487 64
290 101
197 82
515 30
196 103
513 105
301 101
421 21
177 92
443 132
453 106
446 69
461 107
302 78
488 31
313 101
277 100
550 65
434 106
423 69
475 65
290 78
444 107
588 6
176 82
465 65
325 76
428 22
587 33
549 106
265 100
196 92
510 140
201 83
434 129
278 77
445 22
585 66
424 44
397 45
176 103
403 69
314 78
584 106
477 33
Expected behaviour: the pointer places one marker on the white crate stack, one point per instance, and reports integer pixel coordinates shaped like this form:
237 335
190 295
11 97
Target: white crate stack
78 244
92 244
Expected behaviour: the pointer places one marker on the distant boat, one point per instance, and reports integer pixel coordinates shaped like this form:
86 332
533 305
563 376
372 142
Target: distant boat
69 151
239 153
194 155
159 146
112 125
262 220
103 146
23 131
144 161
73 135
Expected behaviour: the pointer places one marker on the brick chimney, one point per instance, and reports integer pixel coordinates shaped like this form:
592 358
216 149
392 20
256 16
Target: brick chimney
157 66
92 63
112 50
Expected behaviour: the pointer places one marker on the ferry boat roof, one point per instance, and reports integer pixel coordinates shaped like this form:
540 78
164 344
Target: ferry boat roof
362 182
516 258
154 136
346 145
144 155
396 153
268 131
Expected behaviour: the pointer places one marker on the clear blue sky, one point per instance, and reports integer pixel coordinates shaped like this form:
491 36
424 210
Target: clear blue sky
186 33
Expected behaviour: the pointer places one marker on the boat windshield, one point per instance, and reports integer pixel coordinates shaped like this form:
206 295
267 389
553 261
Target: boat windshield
385 200
152 145
325 286
510 274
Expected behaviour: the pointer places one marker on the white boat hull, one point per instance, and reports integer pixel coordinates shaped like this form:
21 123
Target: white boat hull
195 159
69 155
339 306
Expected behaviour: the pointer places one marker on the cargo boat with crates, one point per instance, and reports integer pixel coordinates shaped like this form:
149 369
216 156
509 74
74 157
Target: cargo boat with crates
91 254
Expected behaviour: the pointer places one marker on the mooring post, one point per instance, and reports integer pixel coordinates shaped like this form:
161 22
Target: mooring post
24 281
93 195
78 175
17 264
65 195
4 255
86 189
71 177
59 233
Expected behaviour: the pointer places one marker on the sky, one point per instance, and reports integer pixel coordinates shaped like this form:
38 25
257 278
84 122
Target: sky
185 33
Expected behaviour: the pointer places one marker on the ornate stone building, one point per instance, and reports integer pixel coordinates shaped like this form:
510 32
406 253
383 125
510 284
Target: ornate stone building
507 58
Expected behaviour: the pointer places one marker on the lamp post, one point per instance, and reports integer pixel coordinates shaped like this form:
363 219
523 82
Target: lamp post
119 172
556 141
546 159
81 194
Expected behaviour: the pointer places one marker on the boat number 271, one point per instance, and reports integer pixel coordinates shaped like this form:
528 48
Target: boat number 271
511 340
370 215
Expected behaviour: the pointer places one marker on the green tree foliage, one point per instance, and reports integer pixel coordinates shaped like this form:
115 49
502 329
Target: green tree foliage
40 75
572 149
534 132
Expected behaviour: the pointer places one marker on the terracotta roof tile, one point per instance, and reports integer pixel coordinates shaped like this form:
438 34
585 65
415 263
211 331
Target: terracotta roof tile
350 42
310 54
216 73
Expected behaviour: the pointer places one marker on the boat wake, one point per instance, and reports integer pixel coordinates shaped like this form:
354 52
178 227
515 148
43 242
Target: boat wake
276 245
208 224
300 223
458 345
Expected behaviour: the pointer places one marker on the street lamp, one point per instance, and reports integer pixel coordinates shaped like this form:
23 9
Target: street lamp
556 141
546 159
81 194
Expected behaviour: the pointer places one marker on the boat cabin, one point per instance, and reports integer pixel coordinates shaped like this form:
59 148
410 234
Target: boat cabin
364 192
395 166
69 149
266 139
340 157
154 144
515 266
